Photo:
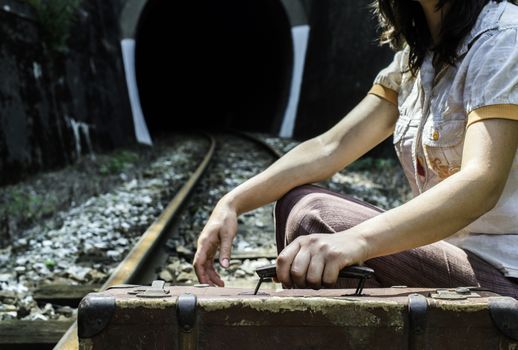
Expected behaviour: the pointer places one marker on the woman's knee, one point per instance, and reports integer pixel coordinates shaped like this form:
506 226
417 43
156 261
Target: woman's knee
294 195
310 209
283 209
285 204
306 217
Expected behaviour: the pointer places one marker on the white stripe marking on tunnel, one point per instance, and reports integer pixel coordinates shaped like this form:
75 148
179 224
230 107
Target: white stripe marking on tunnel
300 37
128 57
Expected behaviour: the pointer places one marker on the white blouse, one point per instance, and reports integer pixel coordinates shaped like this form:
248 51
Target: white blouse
435 109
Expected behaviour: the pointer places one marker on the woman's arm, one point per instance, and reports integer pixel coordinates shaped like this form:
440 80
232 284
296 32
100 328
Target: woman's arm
489 150
368 124
319 158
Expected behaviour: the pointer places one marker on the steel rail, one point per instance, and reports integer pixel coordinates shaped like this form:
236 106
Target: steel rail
140 253
272 150
128 270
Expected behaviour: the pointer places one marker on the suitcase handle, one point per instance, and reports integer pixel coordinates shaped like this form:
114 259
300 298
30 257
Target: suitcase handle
357 272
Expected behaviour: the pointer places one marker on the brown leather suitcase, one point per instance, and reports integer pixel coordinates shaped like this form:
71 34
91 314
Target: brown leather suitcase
159 317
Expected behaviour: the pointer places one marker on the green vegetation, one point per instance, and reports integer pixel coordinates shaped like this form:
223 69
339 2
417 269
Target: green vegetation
28 205
56 18
118 162
50 264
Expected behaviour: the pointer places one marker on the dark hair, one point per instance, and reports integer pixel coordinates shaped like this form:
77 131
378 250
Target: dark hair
403 22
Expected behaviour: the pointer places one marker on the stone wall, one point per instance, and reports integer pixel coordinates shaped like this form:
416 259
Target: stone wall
58 106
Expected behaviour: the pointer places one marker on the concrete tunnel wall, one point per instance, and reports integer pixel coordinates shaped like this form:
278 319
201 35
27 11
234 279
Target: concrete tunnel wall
342 59
227 64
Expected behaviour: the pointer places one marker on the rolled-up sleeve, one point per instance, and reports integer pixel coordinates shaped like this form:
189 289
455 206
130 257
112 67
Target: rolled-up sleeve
491 86
388 81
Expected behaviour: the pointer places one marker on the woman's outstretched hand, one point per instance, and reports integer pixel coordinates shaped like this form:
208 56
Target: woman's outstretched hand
315 260
219 232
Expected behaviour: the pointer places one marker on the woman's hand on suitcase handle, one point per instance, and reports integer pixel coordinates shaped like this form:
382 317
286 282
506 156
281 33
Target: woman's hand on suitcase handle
219 232
315 260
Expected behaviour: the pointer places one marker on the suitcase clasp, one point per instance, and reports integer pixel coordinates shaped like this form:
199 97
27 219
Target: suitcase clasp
155 291
461 293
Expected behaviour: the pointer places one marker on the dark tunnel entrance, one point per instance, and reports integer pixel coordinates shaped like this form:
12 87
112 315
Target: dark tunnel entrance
210 64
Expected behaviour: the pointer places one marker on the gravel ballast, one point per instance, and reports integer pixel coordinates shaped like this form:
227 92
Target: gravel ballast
83 244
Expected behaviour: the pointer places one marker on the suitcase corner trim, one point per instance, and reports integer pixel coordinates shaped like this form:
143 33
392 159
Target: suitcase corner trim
504 313
94 314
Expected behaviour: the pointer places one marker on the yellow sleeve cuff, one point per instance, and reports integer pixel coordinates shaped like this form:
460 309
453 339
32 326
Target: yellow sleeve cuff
503 111
385 93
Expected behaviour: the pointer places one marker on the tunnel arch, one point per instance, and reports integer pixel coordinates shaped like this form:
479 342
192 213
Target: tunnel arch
210 64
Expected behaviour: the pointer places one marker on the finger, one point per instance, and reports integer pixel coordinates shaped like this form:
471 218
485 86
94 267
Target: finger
299 267
315 271
225 248
215 278
284 261
330 274
203 259
212 277
206 273
199 268
202 268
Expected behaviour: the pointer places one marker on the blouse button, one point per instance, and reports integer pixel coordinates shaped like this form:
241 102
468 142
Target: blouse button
435 135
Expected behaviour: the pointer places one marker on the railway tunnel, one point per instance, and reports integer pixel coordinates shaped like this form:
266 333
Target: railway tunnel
213 64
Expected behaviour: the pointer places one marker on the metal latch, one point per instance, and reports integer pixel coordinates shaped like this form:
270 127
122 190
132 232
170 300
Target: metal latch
122 286
156 290
460 293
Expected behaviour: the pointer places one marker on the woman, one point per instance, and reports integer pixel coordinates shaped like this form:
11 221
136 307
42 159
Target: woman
450 98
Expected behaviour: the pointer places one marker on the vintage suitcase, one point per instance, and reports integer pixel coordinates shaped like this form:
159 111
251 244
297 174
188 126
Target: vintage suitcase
201 317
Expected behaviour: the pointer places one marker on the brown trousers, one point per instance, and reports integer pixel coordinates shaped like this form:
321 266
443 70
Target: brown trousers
311 209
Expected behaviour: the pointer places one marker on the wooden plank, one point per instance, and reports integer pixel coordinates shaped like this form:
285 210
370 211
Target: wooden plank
254 254
32 332
63 294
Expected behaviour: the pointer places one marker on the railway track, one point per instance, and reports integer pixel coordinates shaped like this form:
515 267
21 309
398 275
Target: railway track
178 226
140 266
